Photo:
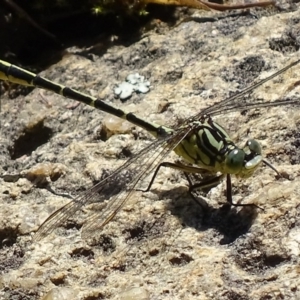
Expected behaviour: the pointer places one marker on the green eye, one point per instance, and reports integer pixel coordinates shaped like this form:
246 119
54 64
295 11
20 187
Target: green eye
254 146
234 161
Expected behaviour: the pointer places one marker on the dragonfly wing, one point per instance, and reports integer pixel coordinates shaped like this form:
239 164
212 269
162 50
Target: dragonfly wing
117 187
142 167
235 103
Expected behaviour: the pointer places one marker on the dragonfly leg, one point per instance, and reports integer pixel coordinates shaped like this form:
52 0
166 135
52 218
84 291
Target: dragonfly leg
205 184
176 166
229 195
213 182
186 170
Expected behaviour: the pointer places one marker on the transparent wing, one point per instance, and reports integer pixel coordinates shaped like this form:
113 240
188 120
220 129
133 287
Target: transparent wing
234 103
118 186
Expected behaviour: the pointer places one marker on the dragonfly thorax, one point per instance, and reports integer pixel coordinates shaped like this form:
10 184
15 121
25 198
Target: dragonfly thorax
206 145
209 146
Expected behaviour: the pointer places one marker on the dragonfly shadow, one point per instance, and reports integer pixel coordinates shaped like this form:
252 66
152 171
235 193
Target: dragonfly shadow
229 222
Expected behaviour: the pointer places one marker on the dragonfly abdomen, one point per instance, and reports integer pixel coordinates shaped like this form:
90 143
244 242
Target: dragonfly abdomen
21 76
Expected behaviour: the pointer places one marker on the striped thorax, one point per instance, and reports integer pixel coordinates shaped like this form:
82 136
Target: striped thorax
209 146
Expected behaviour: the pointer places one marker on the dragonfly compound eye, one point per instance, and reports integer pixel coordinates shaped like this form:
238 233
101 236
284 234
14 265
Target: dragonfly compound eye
253 146
235 161
253 156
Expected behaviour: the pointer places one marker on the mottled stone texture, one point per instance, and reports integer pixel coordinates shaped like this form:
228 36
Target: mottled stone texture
161 245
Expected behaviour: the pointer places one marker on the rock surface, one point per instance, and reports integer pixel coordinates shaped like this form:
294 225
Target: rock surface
161 245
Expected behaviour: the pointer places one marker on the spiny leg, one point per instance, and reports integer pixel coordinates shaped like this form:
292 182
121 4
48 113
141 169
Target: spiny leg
213 182
176 166
229 195
200 185
188 170
201 201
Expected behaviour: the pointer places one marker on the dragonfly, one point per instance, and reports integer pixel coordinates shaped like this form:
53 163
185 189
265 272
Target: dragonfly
199 141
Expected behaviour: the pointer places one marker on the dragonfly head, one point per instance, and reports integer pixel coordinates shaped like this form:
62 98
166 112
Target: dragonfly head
243 162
